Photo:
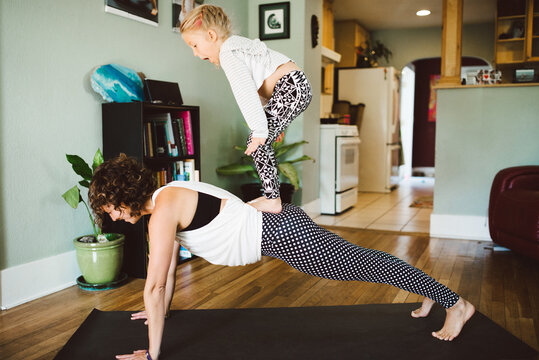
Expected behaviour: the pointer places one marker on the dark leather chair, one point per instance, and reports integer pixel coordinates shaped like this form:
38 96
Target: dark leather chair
513 212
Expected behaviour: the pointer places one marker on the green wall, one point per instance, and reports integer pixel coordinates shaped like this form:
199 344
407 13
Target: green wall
489 130
298 48
47 108
420 43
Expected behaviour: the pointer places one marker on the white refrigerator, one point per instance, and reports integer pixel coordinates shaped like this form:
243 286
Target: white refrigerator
380 149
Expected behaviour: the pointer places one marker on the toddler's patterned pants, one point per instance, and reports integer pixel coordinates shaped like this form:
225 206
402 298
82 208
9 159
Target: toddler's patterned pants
293 237
291 96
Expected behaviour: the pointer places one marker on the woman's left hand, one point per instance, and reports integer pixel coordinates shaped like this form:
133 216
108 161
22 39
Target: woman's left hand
136 355
255 142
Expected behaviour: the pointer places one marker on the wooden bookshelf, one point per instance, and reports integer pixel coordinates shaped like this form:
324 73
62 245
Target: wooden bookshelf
124 128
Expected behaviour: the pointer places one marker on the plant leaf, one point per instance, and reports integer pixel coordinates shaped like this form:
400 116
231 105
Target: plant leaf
235 169
290 173
98 160
285 148
85 183
301 158
72 197
80 167
254 175
240 148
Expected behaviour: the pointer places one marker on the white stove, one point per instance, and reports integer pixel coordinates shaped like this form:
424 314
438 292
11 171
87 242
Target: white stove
339 166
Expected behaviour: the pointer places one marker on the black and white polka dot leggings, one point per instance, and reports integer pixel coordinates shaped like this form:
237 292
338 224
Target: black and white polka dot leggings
293 237
291 96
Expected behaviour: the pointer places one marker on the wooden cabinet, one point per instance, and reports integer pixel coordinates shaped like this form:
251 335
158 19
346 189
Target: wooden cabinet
328 41
517 32
532 46
349 35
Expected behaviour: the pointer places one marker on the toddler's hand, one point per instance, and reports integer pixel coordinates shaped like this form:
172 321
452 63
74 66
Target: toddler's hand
255 142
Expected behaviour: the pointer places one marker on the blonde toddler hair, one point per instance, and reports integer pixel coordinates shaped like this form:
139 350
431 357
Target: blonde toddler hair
206 17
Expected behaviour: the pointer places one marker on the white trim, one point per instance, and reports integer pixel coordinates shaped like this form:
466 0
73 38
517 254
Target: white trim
312 208
26 282
459 227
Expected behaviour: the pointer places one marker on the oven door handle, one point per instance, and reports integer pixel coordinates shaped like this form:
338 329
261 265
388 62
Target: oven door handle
348 140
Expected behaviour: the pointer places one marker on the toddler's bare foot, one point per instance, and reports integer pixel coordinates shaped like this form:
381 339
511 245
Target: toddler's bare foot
256 200
424 310
456 317
267 205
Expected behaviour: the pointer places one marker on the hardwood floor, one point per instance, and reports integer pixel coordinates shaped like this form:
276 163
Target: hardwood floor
502 285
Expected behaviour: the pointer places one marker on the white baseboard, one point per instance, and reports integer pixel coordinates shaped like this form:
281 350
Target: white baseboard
312 208
459 227
26 282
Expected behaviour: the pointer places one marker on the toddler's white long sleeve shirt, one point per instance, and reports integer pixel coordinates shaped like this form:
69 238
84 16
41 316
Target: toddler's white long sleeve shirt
247 63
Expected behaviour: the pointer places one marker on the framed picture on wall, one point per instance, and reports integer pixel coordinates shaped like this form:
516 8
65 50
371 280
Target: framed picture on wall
274 21
180 8
140 10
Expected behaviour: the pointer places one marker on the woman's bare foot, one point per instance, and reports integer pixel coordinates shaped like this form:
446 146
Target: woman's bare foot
424 310
267 205
456 317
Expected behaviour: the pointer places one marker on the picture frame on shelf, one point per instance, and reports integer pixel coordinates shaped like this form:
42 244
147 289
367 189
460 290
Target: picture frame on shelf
274 21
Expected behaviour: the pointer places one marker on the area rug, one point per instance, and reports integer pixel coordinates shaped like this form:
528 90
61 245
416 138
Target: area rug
423 202
337 332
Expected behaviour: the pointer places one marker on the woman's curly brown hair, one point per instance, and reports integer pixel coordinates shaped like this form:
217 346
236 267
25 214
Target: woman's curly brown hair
120 181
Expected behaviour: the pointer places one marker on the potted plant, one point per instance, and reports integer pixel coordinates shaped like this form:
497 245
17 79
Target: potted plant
369 53
285 168
99 255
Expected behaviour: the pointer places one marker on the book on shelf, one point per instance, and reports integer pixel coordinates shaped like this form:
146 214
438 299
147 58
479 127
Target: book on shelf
148 136
184 170
173 151
176 135
169 135
188 128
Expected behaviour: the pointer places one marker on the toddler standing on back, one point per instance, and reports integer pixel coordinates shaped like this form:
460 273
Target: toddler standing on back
270 89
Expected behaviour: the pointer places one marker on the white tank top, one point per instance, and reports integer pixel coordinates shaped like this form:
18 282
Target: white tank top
232 238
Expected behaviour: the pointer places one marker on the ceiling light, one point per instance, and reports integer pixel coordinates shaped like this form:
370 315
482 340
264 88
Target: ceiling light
423 13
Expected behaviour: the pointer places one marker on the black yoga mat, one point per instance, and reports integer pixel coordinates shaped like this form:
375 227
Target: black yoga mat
336 332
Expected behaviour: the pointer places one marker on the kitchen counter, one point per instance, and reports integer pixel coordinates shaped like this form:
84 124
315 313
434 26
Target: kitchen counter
449 86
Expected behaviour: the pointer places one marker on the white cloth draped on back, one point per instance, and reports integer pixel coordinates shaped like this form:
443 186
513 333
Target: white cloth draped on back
232 238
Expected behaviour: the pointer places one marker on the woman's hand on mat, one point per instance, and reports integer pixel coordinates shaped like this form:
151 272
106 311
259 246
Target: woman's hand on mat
141 315
255 142
136 355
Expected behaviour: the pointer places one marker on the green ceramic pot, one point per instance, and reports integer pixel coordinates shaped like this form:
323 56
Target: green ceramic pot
100 263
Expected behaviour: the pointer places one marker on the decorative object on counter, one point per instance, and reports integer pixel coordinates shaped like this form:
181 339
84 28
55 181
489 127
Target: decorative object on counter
492 76
314 31
368 54
274 21
117 83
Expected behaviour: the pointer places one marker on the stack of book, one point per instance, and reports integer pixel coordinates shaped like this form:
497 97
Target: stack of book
182 170
169 135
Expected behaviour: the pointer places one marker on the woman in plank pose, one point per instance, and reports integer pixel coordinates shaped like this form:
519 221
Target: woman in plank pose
217 226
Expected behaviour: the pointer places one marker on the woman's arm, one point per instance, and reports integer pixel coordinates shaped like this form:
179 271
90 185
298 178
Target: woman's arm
171 278
171 283
162 231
